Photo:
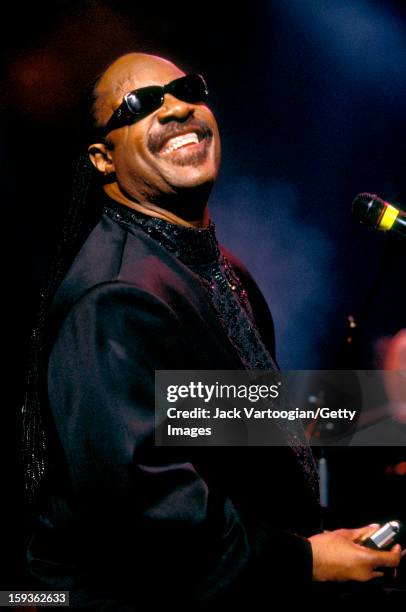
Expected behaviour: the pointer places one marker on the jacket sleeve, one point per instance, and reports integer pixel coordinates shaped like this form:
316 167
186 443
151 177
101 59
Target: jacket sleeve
135 500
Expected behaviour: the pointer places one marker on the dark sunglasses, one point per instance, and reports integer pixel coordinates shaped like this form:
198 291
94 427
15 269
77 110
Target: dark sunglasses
144 101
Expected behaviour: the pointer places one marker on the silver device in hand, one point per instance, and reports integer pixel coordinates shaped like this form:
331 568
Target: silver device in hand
383 537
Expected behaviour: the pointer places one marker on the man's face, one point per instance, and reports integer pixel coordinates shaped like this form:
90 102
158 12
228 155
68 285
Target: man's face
148 158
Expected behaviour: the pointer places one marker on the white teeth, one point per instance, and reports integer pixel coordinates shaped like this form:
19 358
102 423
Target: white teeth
180 141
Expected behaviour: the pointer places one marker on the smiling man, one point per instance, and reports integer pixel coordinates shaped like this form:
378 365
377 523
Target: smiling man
122 523
165 163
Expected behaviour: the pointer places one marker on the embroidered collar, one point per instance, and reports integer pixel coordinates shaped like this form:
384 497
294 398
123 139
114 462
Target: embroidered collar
193 246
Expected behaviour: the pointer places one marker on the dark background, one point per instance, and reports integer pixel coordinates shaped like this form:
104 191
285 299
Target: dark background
310 98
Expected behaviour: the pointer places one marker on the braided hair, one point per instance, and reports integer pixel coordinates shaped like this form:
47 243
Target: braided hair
81 216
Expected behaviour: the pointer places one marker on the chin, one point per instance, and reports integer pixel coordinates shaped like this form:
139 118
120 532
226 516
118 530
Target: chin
192 168
193 176
194 182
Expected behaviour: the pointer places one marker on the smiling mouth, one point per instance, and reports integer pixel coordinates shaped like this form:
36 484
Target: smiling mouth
181 142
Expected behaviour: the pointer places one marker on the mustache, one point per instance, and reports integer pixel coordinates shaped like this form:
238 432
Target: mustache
158 139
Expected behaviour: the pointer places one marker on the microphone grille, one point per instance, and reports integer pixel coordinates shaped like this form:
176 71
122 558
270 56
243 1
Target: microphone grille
368 207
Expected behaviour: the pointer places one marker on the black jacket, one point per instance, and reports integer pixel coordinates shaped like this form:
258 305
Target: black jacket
127 522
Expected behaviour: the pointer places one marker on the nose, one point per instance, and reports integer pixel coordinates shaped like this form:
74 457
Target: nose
173 108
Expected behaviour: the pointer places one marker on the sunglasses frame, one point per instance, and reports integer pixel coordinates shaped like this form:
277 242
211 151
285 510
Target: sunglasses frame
125 115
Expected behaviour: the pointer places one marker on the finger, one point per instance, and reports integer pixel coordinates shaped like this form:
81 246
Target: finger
389 558
348 534
357 535
376 574
397 549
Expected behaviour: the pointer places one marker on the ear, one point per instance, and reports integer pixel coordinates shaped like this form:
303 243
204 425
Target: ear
101 158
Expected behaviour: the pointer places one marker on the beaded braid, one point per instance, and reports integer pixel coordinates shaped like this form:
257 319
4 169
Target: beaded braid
81 216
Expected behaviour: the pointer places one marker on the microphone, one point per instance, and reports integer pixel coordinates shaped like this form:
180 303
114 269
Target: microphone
371 210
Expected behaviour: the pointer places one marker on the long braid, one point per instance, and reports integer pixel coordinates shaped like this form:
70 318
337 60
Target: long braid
82 214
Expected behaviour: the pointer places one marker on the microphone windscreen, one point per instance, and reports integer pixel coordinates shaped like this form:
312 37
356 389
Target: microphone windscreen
368 207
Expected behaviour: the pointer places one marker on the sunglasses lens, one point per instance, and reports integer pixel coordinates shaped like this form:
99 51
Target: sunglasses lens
191 88
144 101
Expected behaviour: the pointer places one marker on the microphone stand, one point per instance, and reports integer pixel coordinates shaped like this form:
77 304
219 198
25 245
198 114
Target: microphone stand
347 360
356 324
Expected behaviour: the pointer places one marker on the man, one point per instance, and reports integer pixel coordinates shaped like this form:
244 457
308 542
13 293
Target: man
123 522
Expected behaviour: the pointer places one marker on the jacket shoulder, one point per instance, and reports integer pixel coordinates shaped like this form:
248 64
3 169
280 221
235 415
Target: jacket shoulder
113 254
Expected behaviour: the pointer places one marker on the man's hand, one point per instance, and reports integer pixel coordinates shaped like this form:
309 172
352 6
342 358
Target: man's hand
337 557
